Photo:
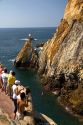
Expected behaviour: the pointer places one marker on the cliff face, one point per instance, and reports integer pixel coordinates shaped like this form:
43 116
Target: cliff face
64 51
62 57
74 10
60 62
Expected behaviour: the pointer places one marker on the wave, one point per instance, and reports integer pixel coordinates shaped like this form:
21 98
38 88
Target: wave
11 60
24 39
28 39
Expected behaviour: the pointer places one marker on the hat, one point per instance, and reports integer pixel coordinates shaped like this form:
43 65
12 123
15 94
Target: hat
10 71
17 82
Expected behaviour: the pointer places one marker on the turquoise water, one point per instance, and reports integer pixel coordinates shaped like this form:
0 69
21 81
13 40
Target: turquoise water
10 44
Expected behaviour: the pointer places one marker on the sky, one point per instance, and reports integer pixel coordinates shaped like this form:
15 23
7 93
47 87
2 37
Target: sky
31 13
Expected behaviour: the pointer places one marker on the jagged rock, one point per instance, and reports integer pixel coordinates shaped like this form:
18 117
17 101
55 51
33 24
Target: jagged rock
23 56
29 120
74 10
28 56
81 74
63 54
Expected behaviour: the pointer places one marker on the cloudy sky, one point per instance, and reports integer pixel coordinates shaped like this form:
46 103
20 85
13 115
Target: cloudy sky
31 13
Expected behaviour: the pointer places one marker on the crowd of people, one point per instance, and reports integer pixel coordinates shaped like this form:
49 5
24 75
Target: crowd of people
13 88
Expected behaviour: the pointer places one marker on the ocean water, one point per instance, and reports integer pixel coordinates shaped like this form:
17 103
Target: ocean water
10 44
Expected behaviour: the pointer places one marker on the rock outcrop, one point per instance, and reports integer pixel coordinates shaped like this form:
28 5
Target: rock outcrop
24 54
60 61
63 53
28 56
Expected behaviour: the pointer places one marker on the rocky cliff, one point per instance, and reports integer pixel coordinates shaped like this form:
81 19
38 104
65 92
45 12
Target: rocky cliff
60 61
63 53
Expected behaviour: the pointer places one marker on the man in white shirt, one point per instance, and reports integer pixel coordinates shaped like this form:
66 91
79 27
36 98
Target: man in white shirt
15 93
4 77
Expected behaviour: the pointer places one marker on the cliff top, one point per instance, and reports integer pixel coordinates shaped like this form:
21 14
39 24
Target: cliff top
74 10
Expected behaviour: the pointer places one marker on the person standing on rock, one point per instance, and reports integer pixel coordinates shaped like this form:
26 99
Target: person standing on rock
4 77
30 38
21 89
15 93
21 103
11 81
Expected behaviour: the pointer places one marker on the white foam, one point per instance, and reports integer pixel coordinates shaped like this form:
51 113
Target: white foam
24 39
11 60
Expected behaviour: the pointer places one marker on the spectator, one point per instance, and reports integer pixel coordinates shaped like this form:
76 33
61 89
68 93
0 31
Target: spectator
22 103
11 81
14 89
4 77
